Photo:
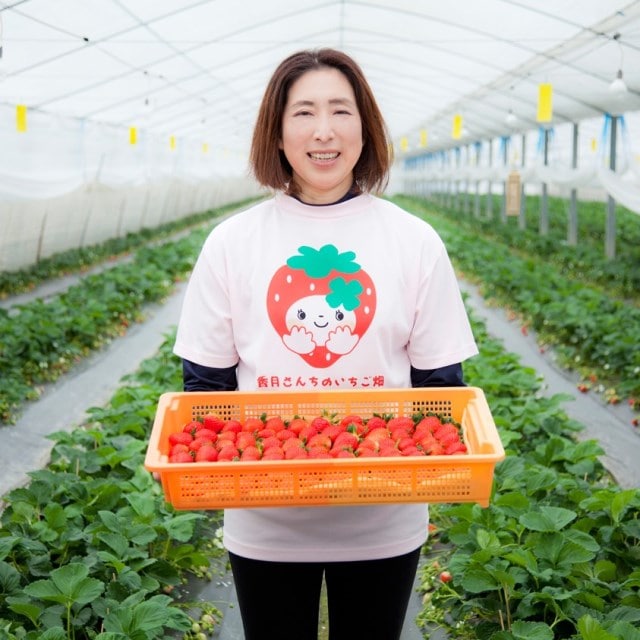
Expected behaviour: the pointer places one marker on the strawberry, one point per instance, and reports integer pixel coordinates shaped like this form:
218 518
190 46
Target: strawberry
269 443
250 453
181 456
332 431
297 425
320 440
274 453
228 453
318 452
319 423
213 422
428 425
376 422
252 424
276 423
182 437
456 447
320 303
346 439
206 453
192 426
179 447
232 426
401 422
245 439
306 433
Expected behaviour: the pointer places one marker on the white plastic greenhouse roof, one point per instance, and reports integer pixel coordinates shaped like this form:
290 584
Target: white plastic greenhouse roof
197 68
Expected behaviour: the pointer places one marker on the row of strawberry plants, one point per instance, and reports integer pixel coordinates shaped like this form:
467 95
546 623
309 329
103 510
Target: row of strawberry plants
90 549
80 259
41 340
585 261
591 331
556 554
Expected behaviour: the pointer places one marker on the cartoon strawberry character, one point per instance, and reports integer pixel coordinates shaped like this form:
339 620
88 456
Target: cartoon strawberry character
321 302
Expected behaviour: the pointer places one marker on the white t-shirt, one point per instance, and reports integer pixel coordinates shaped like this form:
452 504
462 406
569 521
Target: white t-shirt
349 295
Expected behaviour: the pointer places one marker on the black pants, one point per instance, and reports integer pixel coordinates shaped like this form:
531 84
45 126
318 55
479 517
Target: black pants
367 600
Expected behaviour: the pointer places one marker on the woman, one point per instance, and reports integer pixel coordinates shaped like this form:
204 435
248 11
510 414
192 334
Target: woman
323 286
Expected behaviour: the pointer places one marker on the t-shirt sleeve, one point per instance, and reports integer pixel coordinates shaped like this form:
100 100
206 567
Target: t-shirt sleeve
205 328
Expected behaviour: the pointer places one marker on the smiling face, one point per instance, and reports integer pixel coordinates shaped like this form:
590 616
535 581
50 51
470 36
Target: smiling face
314 314
321 135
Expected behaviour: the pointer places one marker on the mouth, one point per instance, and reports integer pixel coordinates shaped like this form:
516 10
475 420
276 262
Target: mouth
323 156
321 326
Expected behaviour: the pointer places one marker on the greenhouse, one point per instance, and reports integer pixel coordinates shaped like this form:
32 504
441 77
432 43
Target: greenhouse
140 184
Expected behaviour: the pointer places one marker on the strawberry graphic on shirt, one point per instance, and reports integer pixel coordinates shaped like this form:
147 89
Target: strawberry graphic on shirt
321 302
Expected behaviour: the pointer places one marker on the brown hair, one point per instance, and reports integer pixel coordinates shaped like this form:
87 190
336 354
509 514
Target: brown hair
267 160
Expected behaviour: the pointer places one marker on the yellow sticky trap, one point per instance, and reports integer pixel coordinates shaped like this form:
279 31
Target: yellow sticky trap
404 143
456 132
205 147
594 144
133 135
172 142
21 117
423 138
545 102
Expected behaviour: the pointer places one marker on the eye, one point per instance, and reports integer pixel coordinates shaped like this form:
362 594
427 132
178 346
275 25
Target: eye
301 314
339 315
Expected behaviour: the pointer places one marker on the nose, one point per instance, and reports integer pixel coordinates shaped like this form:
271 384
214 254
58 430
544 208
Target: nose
324 130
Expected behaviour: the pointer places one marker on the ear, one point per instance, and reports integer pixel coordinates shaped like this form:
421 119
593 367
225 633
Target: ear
280 144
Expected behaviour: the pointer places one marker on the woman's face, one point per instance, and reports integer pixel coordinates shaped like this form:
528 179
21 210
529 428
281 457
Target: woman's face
321 135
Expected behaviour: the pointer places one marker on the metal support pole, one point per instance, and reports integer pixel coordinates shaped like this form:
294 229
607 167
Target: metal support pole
572 231
489 186
476 204
522 218
505 162
610 230
544 204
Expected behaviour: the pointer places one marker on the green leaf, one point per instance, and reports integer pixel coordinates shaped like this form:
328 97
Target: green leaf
479 580
181 526
54 633
547 519
522 630
591 629
67 585
622 501
9 579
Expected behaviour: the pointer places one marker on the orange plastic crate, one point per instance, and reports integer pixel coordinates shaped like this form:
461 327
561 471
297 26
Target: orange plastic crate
464 477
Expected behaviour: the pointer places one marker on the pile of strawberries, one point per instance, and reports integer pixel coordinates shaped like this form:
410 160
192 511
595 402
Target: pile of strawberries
271 438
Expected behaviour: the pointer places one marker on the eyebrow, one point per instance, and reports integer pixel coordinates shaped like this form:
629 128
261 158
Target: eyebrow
333 101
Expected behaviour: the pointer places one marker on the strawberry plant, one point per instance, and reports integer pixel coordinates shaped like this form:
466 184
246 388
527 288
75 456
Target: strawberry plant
555 555
90 549
591 331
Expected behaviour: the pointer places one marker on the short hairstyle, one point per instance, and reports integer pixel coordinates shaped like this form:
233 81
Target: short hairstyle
268 162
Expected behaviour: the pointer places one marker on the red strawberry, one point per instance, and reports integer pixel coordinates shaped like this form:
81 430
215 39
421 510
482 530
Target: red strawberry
252 424
274 453
297 425
181 456
213 422
206 453
182 437
319 423
192 427
376 422
276 423
321 302
456 447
